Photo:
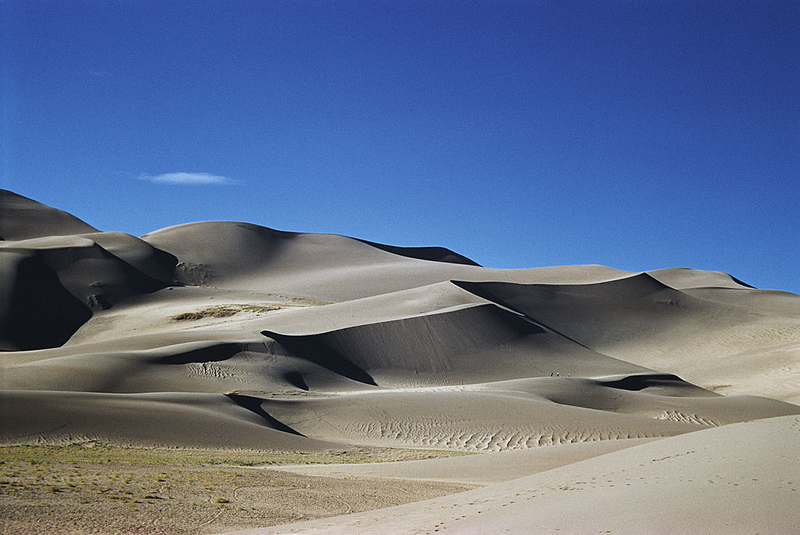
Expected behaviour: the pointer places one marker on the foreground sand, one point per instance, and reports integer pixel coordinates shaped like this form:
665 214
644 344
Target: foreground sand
695 483
231 336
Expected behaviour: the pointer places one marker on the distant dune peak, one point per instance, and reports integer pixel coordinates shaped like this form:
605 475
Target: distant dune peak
22 218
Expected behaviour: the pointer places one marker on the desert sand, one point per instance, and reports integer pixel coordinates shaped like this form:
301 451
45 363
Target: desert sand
584 399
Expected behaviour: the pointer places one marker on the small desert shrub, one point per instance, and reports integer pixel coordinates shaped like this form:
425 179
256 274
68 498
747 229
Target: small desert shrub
188 316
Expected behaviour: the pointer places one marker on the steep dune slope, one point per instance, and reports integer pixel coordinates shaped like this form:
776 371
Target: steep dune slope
700 333
54 282
36 311
22 218
56 269
466 345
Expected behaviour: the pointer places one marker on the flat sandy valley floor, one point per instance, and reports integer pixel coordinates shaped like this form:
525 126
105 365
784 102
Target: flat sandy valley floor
93 488
220 376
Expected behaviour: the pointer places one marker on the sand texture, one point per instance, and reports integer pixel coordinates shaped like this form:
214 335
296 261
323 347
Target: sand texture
579 398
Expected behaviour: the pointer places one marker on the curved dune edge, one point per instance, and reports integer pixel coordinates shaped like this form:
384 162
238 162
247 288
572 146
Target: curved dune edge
722 479
143 420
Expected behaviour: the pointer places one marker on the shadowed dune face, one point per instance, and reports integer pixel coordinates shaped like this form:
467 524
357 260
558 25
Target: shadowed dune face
22 218
232 335
436 254
56 269
86 268
454 346
37 311
608 314
642 321
60 280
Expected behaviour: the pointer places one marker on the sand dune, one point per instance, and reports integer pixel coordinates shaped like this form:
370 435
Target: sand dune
172 419
484 469
690 332
717 480
324 266
22 218
457 343
595 394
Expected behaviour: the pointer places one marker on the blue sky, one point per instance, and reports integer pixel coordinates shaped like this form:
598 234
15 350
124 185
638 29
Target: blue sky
635 134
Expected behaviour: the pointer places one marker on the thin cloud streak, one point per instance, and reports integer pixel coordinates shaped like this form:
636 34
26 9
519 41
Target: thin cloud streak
188 179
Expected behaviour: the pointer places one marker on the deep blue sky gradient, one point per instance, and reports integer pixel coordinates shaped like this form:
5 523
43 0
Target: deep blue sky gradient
634 134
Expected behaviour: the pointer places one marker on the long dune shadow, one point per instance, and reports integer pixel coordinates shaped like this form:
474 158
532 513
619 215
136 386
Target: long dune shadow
253 404
482 290
315 349
296 379
214 353
434 254
638 382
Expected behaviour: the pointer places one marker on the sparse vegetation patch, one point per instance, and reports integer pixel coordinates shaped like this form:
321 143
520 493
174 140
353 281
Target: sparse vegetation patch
224 311
93 488
95 452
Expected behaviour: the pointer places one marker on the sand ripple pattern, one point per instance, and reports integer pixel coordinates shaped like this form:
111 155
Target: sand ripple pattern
677 416
435 434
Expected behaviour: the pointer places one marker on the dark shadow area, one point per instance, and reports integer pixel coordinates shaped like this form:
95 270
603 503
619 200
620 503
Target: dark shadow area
41 313
253 404
296 379
737 281
314 349
434 254
215 353
636 383
481 289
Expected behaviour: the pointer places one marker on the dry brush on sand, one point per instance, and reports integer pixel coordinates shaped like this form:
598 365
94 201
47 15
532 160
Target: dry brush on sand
669 394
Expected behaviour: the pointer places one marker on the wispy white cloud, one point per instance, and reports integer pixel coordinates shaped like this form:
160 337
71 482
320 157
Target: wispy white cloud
190 179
